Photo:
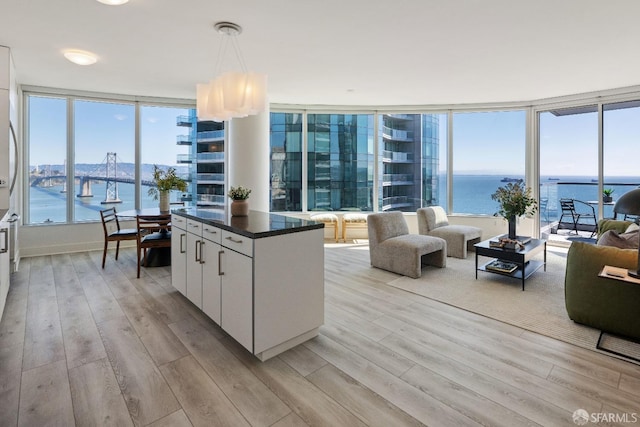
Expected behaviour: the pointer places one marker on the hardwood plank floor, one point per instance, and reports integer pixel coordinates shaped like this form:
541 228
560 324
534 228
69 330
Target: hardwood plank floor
80 345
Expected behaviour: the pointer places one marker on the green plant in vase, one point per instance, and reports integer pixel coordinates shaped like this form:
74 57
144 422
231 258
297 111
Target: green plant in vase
515 200
239 205
606 195
165 181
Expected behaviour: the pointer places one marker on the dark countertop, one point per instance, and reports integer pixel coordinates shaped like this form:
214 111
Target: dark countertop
255 226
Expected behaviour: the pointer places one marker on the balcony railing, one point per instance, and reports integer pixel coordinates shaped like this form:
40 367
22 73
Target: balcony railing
397 177
214 177
184 158
183 140
184 120
552 192
397 135
210 135
211 199
396 156
211 156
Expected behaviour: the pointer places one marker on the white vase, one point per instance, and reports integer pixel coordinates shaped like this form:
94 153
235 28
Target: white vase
164 201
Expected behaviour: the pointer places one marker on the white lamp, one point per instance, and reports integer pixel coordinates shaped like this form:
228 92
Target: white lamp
232 94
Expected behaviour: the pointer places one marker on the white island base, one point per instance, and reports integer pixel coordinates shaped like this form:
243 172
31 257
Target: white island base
260 278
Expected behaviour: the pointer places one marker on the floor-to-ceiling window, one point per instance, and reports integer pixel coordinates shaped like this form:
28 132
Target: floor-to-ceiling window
104 162
568 144
166 140
81 155
286 161
488 151
340 162
408 161
47 162
621 139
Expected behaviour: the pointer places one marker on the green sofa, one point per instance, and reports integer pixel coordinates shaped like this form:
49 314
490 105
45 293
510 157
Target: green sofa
607 304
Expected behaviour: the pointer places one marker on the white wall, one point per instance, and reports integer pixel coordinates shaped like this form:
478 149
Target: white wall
38 240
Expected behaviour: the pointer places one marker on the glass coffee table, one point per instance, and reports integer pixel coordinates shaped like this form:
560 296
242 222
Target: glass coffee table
504 260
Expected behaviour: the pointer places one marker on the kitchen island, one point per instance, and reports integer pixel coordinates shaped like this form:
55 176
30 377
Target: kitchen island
260 277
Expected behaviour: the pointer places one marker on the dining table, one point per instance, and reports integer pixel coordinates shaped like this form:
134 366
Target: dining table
158 257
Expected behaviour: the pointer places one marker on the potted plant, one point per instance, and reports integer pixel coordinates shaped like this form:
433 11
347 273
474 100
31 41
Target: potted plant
165 181
515 200
606 195
239 205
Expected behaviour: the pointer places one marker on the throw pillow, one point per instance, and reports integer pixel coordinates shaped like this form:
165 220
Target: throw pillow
632 227
622 241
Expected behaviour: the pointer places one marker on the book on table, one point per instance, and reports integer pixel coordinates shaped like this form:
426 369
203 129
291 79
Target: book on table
502 266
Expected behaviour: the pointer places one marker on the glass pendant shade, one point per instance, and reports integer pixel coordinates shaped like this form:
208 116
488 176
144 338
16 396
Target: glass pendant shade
233 94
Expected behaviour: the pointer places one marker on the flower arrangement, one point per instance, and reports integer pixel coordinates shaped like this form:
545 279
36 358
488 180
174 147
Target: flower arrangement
239 193
515 200
166 181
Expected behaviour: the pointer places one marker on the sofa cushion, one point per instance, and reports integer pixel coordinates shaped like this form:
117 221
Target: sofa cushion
612 224
622 241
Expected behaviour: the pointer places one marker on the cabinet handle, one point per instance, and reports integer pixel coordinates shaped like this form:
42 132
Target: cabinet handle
182 244
234 240
6 240
202 251
220 272
210 231
197 244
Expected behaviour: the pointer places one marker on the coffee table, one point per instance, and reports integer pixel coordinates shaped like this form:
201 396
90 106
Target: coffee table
523 258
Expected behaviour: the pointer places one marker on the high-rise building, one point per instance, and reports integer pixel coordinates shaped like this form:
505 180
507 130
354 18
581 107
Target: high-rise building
206 160
408 161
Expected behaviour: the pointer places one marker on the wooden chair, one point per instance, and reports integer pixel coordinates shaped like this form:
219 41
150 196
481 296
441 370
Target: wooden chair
154 231
113 232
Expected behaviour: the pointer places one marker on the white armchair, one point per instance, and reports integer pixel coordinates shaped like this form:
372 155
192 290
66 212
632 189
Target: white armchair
433 221
392 248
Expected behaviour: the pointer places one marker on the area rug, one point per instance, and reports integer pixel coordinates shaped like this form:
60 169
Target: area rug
539 308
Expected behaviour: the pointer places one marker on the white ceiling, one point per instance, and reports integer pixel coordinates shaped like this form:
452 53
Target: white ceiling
334 52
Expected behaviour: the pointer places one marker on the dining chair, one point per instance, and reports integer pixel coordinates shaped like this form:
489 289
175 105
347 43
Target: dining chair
154 231
113 232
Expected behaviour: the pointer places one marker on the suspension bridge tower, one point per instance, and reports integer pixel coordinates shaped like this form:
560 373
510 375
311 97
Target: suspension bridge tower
111 190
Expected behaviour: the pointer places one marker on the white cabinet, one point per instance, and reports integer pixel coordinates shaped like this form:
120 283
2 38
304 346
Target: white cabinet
194 260
179 253
237 292
4 262
211 274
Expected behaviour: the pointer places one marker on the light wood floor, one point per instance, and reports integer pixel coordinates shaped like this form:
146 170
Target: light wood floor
85 346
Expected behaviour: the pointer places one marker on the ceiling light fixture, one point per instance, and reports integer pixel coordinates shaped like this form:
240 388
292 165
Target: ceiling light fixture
80 57
231 94
113 2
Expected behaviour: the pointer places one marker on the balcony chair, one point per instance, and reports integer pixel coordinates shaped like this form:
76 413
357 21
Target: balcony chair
392 248
113 232
154 231
433 221
577 215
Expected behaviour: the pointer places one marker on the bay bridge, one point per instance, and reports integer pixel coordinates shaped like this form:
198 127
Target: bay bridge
105 171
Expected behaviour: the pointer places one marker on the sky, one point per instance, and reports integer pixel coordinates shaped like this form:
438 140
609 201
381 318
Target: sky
484 142
102 127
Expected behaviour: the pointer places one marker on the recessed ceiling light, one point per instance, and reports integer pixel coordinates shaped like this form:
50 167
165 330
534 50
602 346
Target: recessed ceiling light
80 57
113 2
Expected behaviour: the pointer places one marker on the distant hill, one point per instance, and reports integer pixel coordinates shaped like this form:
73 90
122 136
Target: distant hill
124 169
